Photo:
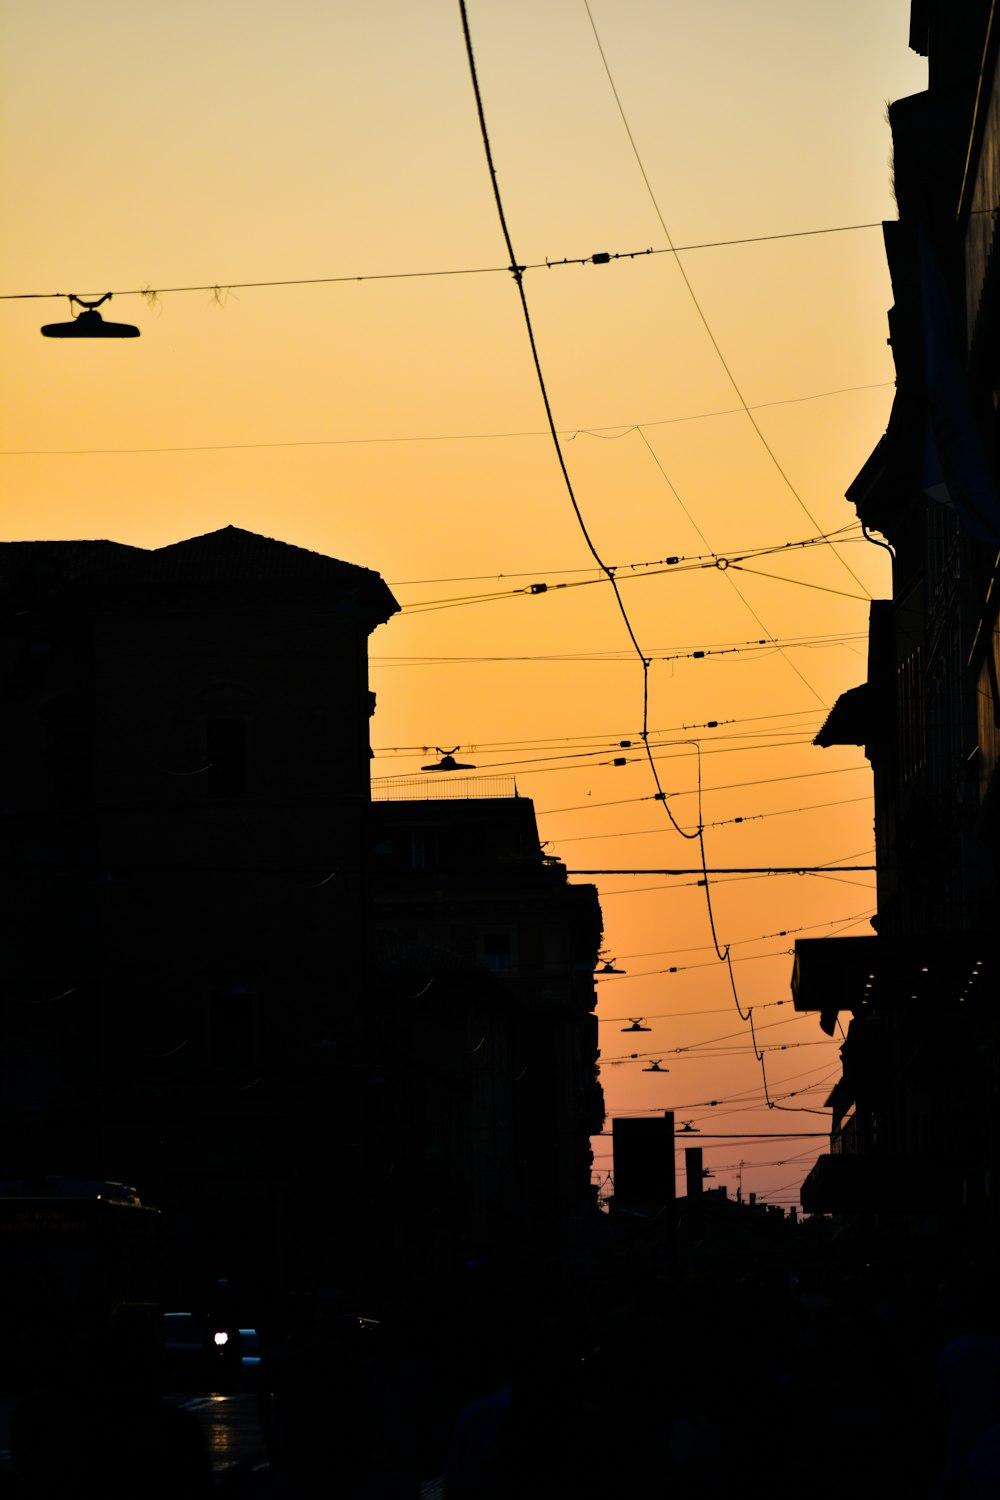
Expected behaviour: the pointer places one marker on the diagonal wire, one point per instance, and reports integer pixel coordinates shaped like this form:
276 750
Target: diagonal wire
609 573
732 582
517 272
700 310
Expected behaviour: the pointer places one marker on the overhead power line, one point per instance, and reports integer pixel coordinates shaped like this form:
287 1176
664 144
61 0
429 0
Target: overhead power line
695 302
556 443
434 437
763 647
550 742
633 571
778 812
743 1101
727 787
760 937
751 1135
733 870
216 289
698 832
840 533
576 757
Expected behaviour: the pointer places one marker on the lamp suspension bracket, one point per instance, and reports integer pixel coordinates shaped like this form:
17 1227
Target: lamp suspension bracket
89 324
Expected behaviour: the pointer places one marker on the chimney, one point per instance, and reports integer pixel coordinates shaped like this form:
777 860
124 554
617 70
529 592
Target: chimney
693 1171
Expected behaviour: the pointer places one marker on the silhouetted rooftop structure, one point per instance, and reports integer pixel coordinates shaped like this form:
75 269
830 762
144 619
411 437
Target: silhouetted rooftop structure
229 555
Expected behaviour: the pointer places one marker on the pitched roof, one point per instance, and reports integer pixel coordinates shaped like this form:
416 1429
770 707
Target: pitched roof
233 552
244 556
60 560
229 555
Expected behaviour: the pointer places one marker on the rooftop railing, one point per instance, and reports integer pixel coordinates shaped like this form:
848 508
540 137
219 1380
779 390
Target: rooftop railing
433 787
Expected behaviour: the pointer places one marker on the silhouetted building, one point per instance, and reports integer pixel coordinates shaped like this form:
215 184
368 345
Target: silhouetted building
694 1171
644 1162
196 998
503 938
185 792
915 1112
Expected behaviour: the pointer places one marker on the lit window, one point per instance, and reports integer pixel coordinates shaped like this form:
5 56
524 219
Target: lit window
496 951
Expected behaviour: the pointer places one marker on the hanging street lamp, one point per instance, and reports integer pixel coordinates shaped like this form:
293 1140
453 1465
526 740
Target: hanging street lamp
89 324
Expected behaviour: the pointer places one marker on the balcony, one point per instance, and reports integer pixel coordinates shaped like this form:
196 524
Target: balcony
853 974
879 1184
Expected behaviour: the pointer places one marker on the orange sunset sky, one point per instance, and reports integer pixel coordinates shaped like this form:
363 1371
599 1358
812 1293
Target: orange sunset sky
386 410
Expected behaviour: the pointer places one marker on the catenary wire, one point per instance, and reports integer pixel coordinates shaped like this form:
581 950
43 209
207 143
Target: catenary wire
400 583
557 445
218 288
779 812
550 740
728 787
698 832
732 582
761 937
698 307
439 437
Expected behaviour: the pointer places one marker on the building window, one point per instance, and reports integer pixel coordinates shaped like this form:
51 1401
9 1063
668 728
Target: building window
231 1027
912 716
69 736
226 757
530 946
423 848
496 952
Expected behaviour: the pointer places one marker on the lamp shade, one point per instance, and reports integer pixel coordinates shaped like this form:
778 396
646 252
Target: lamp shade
89 325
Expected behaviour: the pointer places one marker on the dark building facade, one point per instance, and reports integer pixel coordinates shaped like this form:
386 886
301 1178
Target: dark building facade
336 1045
915 1113
184 808
464 877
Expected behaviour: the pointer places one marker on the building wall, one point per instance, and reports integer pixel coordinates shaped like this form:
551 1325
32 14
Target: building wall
190 750
467 877
918 1092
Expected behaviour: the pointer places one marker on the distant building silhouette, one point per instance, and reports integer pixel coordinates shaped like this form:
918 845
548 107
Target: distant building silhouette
645 1170
464 879
915 1112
